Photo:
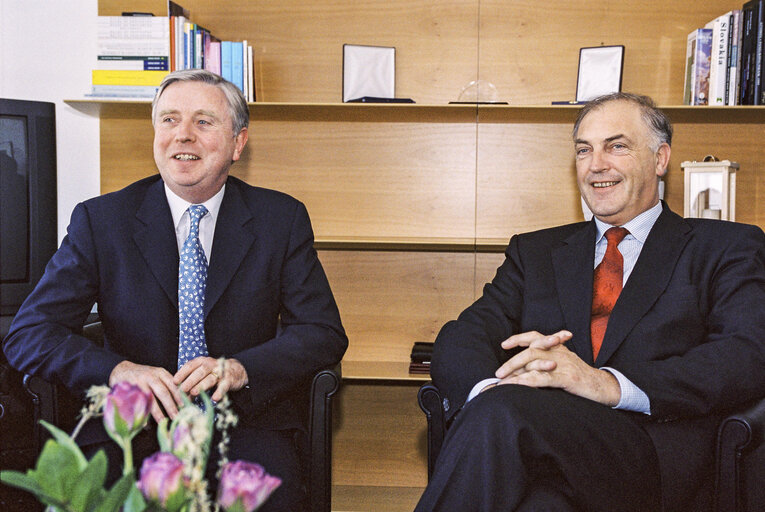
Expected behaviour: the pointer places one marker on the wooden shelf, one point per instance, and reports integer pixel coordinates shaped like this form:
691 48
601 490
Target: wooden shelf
394 371
421 113
362 498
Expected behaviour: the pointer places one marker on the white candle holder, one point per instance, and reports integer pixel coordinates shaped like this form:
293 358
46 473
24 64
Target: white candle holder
710 189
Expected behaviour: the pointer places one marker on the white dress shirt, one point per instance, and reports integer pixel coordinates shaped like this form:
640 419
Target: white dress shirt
179 210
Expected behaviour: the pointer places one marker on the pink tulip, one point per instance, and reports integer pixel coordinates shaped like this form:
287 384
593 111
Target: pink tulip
126 410
162 481
245 483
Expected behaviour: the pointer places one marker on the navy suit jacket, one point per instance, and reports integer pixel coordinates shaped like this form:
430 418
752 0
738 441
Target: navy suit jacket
268 302
688 327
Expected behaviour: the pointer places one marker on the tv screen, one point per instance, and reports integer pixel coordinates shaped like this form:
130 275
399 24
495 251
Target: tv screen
27 197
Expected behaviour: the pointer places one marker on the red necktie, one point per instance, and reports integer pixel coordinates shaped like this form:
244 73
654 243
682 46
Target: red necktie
606 287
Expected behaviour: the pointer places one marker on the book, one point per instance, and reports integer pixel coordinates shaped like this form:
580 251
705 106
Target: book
751 53
245 71
759 90
734 58
133 63
226 60
127 77
133 36
718 68
250 75
699 47
212 59
124 91
236 64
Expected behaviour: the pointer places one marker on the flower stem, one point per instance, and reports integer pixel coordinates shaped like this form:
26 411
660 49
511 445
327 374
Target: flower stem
127 455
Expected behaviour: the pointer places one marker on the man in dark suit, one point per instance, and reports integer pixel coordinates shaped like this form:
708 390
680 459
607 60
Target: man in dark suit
561 398
267 306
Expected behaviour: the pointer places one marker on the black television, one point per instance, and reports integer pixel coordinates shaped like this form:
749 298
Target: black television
28 224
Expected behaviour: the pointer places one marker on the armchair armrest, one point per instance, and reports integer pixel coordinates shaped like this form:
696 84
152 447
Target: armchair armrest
324 386
741 460
431 404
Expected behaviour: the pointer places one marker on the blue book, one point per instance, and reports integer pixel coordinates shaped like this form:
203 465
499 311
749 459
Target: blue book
237 64
225 60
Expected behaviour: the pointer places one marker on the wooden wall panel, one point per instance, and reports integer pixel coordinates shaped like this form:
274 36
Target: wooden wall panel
389 300
371 180
126 151
531 53
379 436
526 179
730 141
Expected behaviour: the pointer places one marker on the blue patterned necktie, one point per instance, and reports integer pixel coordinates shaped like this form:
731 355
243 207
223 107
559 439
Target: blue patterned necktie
192 280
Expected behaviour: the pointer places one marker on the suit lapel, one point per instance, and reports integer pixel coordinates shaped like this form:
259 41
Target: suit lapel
573 262
231 243
647 281
155 236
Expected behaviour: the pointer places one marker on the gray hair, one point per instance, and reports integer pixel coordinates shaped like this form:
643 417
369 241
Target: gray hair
657 121
240 114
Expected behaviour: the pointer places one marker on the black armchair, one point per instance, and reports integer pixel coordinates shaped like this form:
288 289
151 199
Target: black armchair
740 459
55 405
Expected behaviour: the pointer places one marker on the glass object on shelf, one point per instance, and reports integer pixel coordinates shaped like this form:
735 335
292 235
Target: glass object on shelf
710 189
479 91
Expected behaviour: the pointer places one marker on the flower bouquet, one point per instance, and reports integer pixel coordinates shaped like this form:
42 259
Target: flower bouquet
171 480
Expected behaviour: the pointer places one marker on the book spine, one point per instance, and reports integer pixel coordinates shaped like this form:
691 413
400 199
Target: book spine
759 98
748 53
689 66
133 63
701 66
212 63
734 58
236 64
129 77
718 78
250 75
225 60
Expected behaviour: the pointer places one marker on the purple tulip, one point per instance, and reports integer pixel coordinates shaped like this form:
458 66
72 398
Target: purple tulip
162 481
245 483
126 410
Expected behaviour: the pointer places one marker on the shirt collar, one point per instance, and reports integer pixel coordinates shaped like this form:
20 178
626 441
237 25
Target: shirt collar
639 227
179 206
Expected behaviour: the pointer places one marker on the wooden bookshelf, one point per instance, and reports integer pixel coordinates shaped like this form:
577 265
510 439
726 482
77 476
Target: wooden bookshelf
412 204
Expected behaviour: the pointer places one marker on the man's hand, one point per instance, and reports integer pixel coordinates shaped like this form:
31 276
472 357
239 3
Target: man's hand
203 373
547 363
156 380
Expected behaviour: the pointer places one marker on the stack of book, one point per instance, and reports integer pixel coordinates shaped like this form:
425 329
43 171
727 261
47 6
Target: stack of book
136 52
133 55
724 60
420 357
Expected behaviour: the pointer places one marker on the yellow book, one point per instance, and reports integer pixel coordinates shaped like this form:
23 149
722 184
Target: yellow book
127 77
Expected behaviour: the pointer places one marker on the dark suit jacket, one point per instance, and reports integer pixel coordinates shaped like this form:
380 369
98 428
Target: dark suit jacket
688 327
268 302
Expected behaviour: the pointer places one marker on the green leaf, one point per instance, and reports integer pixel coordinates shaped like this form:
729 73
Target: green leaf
64 440
135 501
57 470
114 499
28 483
20 480
88 488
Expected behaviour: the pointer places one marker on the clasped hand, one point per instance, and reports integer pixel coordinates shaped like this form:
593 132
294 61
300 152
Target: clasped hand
199 374
547 363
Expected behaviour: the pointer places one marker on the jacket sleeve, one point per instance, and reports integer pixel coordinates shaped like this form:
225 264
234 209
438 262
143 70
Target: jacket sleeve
45 336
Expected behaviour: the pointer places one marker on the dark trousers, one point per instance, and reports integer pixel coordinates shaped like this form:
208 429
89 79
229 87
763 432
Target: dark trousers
520 448
275 450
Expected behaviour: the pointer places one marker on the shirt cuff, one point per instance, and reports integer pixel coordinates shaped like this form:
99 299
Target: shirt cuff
479 387
633 398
